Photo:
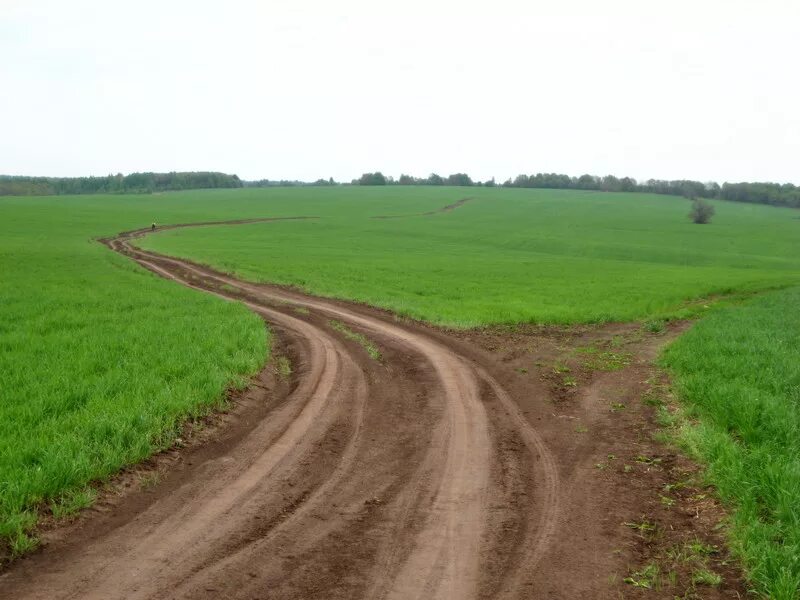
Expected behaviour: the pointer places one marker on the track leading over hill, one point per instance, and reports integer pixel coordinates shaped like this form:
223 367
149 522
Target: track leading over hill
411 477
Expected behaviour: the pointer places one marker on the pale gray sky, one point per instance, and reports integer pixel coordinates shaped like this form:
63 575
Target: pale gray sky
702 89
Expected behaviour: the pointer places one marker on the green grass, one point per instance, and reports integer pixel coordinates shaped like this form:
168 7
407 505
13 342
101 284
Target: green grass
100 361
508 256
739 373
362 340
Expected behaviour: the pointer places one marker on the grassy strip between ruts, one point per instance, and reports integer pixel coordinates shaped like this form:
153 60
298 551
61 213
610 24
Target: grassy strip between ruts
371 349
738 372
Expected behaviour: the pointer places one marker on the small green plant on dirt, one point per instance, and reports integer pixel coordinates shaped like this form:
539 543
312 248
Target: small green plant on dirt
522 370
617 406
667 501
570 381
655 326
302 310
607 360
150 480
698 548
645 529
23 543
617 341
706 577
678 485
648 460
365 343
283 367
560 368
72 502
642 526
649 577
581 429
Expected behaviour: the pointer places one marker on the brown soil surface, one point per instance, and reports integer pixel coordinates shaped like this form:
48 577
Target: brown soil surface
493 463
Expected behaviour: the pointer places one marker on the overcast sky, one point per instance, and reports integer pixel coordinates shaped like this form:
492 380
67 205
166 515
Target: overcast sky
301 89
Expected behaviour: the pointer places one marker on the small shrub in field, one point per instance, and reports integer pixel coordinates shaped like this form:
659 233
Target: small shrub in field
701 212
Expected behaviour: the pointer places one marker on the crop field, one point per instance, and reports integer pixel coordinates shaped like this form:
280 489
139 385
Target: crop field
101 361
506 256
739 370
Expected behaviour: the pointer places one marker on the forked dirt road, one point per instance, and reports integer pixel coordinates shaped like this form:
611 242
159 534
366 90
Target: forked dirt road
416 476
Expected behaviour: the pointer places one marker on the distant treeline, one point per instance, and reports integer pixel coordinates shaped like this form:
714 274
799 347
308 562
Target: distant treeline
776 194
288 183
135 183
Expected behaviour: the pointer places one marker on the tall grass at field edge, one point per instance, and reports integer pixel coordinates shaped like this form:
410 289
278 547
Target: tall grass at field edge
738 373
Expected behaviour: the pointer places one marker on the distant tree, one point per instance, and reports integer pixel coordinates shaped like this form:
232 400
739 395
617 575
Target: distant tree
376 178
461 179
522 181
587 182
406 180
701 212
434 179
490 183
610 183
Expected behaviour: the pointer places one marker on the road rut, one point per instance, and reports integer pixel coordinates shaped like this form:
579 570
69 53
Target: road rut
374 479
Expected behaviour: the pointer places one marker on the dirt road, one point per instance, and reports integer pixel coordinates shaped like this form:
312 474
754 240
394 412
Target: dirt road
414 476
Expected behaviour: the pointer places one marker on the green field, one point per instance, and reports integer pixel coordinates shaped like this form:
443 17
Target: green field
100 361
739 371
506 256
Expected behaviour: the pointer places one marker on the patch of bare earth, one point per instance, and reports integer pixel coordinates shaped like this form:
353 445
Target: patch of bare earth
636 520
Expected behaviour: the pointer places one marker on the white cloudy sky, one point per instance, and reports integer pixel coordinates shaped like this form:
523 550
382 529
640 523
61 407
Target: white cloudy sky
702 89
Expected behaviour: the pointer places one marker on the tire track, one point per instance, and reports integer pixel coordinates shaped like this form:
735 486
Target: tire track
429 537
444 561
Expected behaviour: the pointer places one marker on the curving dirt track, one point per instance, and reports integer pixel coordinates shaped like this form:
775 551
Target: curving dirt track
369 480
417 476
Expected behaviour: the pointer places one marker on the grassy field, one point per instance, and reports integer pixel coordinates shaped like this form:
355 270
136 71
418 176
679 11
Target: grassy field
99 360
739 372
506 256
